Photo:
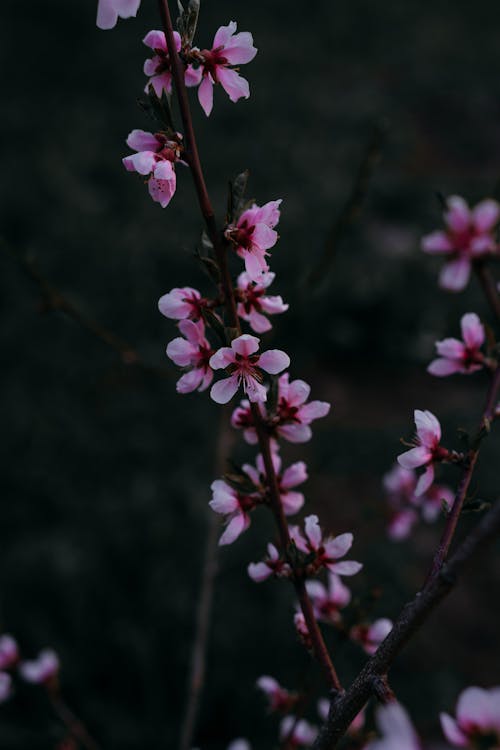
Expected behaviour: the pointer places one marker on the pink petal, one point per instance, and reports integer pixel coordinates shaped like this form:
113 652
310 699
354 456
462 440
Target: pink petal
298 392
235 527
339 545
345 568
292 502
268 684
162 191
206 95
314 410
274 361
141 140
233 84
316 590
458 216
106 15
254 390
224 34
259 572
269 213
428 427
414 457
313 531
295 433
294 475
240 50
339 593
224 498
443 367
425 481
380 630
174 306
455 274
450 348
245 345
156 40
472 331
126 8
223 391
401 525
485 215
207 379
192 76
255 264
222 358
190 381
181 352
437 242
452 732
161 83
164 170
143 162
395 725
258 323
473 708
263 238
193 331
481 245
273 305
5 686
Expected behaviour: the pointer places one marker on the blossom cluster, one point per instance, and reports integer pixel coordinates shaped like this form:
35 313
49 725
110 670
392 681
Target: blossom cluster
40 671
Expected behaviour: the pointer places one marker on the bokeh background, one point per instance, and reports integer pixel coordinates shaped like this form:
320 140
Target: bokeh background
106 470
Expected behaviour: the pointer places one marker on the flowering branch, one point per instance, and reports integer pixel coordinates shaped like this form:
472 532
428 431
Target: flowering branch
345 707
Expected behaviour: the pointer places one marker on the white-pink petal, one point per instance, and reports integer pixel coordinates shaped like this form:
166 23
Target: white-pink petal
339 545
223 391
437 242
443 367
458 216
414 457
274 361
142 140
259 572
485 215
236 526
452 731
206 95
313 531
455 274
245 345
472 330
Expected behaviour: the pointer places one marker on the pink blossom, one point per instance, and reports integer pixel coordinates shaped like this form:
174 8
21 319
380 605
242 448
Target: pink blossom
297 733
182 303
235 506
468 235
355 726
42 669
228 49
292 476
192 352
279 698
293 415
9 652
327 551
5 686
253 235
253 301
158 68
477 717
427 449
400 485
401 524
271 565
371 636
302 630
327 602
396 729
245 368
108 11
461 356
155 159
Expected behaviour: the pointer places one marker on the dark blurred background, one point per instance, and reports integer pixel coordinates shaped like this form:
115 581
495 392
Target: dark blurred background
106 470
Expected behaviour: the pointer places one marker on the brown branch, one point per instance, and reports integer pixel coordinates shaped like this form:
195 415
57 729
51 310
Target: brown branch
54 301
351 208
193 160
346 706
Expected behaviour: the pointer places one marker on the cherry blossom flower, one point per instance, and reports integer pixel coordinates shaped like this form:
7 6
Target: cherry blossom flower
193 352
42 669
354 727
254 301
271 565
158 68
461 356
327 602
279 698
181 303
327 551
108 11
293 415
371 636
477 722
426 451
228 49
396 729
235 506
253 235
245 368
5 686
292 476
297 732
468 235
155 158
9 652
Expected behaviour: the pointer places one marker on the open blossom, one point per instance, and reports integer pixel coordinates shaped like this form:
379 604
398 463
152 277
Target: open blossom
228 49
293 415
9 652
193 352
181 303
371 636
396 729
42 669
245 368
236 506
477 722
254 301
427 449
297 733
279 698
327 602
158 68
108 11
327 551
468 235
355 726
461 356
155 159
253 235
271 565
291 477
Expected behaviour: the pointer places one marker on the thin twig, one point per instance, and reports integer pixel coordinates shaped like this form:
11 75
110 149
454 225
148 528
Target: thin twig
72 723
351 208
